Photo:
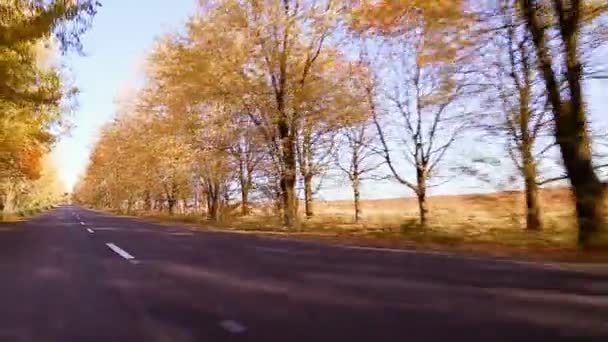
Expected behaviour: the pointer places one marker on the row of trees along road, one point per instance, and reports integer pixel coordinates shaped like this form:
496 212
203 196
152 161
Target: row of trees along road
33 97
255 98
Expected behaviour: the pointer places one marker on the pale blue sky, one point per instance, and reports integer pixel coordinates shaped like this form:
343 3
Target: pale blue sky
123 33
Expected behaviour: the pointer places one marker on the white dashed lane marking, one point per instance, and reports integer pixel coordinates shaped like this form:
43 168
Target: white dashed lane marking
181 234
233 327
82 223
120 251
90 230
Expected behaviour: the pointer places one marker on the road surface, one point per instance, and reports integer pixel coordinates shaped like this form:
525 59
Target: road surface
77 275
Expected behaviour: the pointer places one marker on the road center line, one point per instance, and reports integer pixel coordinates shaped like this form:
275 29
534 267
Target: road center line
90 230
119 251
232 326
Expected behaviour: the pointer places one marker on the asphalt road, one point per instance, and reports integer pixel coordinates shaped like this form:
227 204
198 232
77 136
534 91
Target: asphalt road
77 275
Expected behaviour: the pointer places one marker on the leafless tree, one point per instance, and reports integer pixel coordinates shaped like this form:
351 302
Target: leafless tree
421 119
357 159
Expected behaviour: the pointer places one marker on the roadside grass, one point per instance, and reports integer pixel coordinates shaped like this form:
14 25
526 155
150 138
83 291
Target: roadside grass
486 224
22 214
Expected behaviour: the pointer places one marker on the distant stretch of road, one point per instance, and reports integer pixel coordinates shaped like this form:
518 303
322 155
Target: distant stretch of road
77 275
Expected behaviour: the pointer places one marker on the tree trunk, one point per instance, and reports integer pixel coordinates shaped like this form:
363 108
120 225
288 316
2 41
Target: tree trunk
288 175
212 208
423 209
129 205
289 200
357 199
287 136
277 191
202 198
245 187
9 200
196 199
533 217
213 201
587 189
421 195
245 182
306 161
308 195
170 205
184 206
172 198
147 201
244 201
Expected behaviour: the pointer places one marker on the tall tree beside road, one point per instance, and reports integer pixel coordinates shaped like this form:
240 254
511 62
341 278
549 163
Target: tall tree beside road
357 159
32 92
559 23
415 87
525 120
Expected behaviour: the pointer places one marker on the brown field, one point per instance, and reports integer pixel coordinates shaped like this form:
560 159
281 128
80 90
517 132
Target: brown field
485 223
484 218
480 217
498 217
506 208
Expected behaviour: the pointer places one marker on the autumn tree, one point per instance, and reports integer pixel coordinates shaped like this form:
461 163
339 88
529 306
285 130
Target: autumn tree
357 159
508 72
31 88
30 99
214 140
25 24
559 23
247 157
265 59
329 102
415 109
140 160
45 191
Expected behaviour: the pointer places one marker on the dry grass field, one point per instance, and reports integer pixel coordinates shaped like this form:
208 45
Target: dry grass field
498 217
489 222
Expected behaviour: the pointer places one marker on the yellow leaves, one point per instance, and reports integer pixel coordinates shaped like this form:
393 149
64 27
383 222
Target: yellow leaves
48 188
593 9
391 17
31 92
436 28
28 160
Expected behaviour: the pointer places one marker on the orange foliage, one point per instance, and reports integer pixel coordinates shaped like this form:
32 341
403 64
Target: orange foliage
29 161
396 16
439 26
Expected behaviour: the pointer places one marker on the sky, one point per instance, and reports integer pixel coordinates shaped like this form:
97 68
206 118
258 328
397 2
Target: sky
124 32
